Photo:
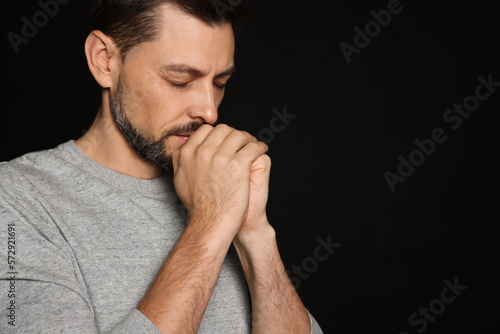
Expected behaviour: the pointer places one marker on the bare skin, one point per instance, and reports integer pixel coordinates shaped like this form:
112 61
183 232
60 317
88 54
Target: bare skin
220 174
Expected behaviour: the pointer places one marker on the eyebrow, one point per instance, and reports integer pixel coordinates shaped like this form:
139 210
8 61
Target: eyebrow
186 69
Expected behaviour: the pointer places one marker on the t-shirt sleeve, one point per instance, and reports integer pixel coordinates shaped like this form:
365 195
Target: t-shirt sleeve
315 329
41 287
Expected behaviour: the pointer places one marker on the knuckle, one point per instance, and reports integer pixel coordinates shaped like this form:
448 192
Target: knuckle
220 158
206 125
243 135
248 135
233 164
203 154
223 126
256 145
252 145
237 135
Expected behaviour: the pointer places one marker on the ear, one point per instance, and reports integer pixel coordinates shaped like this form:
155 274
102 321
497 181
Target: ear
102 57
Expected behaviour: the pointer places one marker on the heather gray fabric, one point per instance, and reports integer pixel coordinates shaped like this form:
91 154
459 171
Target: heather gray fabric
88 242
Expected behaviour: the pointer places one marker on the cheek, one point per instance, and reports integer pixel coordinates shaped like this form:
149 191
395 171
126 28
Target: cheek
153 106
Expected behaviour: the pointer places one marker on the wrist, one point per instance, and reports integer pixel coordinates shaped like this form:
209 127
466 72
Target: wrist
256 247
254 233
206 232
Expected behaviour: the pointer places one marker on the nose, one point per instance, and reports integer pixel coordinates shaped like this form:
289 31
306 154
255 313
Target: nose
205 105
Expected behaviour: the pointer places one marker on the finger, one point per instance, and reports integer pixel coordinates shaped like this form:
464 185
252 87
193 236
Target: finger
219 134
235 141
252 151
199 135
262 162
193 142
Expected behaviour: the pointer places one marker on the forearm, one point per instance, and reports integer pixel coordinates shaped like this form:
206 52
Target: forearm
276 306
181 291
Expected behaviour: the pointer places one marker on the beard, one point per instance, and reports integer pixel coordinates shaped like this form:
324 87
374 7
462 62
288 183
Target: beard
153 151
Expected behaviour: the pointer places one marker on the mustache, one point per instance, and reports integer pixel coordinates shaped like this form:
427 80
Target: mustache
182 129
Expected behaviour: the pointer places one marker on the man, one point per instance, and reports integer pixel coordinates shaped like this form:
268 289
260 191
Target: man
154 220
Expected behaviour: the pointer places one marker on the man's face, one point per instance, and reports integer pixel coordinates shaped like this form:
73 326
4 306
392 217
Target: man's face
167 88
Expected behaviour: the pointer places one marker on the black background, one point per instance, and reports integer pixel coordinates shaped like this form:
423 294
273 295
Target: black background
353 121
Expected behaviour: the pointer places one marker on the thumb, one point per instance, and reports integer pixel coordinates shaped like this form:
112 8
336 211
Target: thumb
262 164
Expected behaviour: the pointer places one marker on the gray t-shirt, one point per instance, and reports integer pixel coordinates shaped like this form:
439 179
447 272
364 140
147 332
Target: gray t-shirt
81 244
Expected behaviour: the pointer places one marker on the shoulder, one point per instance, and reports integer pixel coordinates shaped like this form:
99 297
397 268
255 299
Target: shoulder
21 176
26 185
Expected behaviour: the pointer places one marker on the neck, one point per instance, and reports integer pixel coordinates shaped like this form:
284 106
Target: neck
105 144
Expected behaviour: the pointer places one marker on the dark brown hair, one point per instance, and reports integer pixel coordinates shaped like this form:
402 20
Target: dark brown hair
131 22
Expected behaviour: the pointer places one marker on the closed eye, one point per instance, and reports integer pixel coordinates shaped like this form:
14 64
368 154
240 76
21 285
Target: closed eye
177 85
219 87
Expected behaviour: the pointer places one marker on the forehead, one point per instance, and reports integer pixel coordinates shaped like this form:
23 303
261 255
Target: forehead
184 38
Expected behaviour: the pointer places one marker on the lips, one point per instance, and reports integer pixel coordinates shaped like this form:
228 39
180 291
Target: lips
184 138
